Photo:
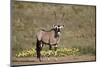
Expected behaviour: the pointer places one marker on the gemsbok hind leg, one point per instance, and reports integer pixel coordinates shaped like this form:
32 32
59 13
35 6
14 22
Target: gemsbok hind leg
38 50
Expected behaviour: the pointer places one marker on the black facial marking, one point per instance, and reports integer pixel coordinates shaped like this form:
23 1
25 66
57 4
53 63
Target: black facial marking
58 25
58 30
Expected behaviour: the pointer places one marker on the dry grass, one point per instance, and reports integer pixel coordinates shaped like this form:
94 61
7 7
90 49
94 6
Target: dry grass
79 25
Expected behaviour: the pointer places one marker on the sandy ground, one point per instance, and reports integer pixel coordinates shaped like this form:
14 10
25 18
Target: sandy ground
45 60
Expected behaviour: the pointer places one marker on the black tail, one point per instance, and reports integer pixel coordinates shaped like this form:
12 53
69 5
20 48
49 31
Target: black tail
38 49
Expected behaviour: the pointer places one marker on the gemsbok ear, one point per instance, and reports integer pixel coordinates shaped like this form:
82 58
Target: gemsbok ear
62 26
54 26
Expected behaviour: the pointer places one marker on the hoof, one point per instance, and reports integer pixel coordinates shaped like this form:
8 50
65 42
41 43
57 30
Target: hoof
48 58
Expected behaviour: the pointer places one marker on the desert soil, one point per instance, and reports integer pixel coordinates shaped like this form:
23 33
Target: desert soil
46 60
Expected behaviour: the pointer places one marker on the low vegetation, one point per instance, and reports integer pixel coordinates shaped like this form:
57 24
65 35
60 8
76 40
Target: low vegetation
47 53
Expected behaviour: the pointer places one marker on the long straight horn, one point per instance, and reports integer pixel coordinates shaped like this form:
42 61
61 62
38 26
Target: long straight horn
55 16
62 18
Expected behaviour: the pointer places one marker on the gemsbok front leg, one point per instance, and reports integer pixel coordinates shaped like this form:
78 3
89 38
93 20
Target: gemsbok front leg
50 50
55 48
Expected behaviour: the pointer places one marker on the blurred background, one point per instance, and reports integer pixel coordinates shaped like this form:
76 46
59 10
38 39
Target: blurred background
29 17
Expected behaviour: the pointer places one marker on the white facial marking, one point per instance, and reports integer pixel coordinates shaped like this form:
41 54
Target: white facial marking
55 26
61 26
59 33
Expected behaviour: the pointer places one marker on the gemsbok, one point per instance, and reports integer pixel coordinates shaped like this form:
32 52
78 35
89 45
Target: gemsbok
51 38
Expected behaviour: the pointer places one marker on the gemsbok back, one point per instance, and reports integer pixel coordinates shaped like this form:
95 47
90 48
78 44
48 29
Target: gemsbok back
51 38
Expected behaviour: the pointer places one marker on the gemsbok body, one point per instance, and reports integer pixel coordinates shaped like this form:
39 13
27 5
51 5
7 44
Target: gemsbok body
51 38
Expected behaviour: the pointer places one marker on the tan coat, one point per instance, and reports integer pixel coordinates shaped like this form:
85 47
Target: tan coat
48 37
